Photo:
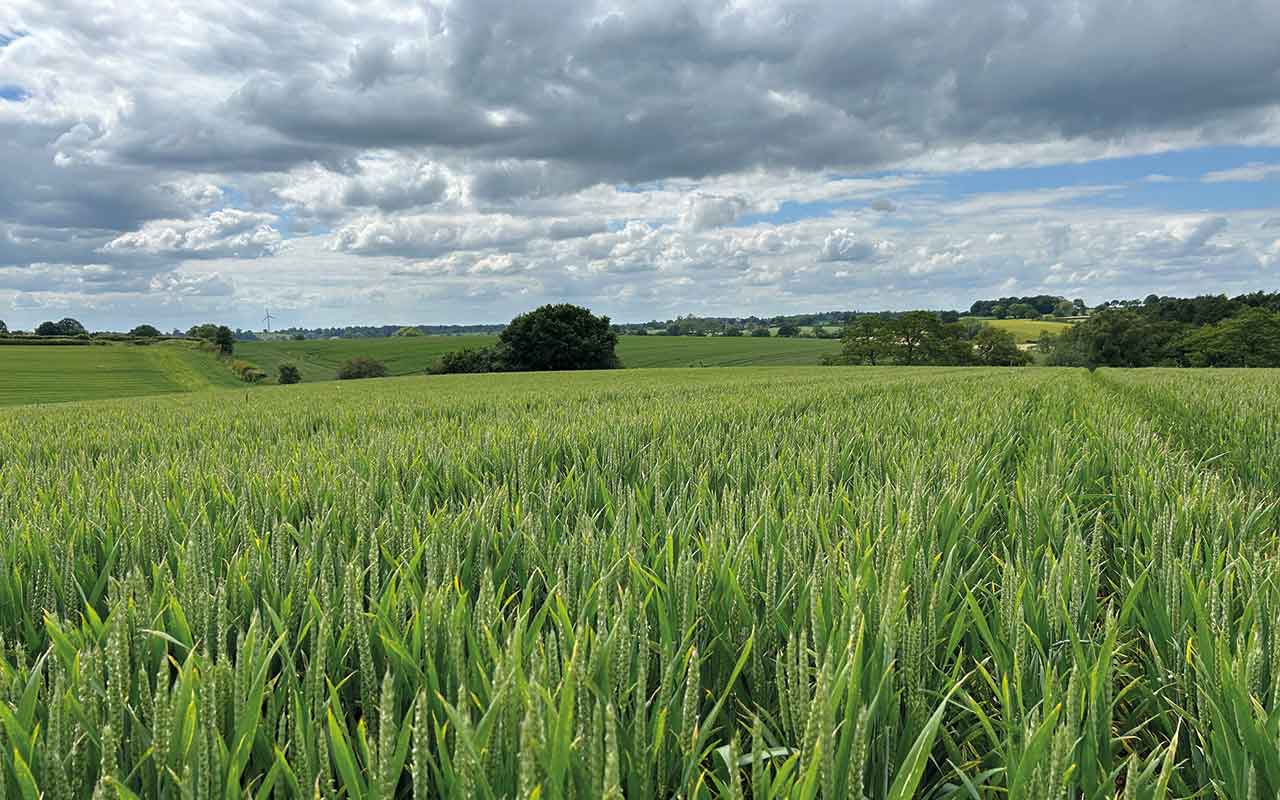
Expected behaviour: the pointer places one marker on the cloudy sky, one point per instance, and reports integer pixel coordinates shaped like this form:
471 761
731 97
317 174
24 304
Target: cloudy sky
451 162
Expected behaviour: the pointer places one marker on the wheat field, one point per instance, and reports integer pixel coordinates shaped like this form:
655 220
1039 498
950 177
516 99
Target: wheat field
767 583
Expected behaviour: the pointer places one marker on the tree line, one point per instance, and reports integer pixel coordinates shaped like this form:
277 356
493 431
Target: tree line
1205 331
1028 307
72 328
367 331
823 325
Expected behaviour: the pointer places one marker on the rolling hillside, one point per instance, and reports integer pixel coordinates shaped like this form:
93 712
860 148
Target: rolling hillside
44 374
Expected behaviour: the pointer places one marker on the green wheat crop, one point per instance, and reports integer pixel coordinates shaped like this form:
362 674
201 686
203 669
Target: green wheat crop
789 583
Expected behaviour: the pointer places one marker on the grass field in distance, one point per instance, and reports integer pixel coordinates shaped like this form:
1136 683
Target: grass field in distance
1026 330
48 374
319 359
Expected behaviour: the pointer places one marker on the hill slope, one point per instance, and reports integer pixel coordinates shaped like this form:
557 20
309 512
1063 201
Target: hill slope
45 374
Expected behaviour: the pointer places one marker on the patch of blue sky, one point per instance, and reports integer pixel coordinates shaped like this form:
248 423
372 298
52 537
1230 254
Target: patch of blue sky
1193 196
13 94
790 211
234 198
287 223
290 227
1166 180
1178 165
638 188
9 37
1170 181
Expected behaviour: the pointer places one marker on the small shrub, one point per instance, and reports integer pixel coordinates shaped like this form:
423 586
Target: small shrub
362 367
288 374
480 359
248 373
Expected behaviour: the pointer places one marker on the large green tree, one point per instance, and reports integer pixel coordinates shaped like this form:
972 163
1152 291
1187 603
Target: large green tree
869 340
224 339
994 347
560 337
924 339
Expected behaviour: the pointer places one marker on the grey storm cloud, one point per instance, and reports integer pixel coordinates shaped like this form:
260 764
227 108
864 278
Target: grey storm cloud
662 89
414 187
37 190
509 180
647 91
652 90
